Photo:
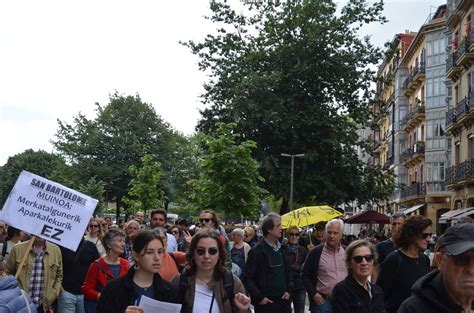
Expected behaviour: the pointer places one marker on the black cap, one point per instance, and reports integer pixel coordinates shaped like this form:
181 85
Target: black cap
458 239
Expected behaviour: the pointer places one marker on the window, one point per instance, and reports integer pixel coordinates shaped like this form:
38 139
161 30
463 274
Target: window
435 171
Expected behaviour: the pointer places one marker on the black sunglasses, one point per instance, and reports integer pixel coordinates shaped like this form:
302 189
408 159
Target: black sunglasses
461 259
294 234
94 226
205 220
175 232
368 258
202 251
426 235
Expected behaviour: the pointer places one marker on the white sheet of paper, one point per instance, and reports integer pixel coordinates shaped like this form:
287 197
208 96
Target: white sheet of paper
150 305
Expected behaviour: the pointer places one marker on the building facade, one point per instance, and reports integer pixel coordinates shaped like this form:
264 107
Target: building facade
460 115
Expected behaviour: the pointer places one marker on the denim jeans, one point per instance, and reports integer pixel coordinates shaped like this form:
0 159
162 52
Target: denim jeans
70 303
298 297
321 308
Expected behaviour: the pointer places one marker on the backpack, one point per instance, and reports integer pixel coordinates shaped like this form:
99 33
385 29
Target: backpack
228 280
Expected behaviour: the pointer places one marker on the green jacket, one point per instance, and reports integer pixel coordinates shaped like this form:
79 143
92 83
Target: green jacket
53 270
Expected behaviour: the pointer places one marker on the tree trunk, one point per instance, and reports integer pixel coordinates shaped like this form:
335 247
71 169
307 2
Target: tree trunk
284 206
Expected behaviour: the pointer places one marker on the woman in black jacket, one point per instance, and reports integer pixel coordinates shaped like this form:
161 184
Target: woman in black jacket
124 294
356 294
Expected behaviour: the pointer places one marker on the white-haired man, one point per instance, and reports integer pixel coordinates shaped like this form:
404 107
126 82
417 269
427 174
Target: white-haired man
324 268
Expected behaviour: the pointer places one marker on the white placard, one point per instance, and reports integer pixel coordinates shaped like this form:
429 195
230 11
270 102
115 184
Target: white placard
48 210
150 305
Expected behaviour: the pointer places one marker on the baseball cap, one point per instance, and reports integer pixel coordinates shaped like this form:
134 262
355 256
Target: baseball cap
458 239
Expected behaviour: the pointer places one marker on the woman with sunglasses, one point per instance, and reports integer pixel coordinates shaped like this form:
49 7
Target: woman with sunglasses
124 294
402 268
356 294
296 256
207 279
95 234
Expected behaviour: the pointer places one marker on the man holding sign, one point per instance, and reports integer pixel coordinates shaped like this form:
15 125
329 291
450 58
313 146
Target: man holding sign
42 273
53 214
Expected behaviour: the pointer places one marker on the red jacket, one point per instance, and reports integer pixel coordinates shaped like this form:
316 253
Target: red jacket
96 278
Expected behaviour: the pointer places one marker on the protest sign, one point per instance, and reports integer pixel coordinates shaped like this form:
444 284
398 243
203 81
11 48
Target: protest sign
48 210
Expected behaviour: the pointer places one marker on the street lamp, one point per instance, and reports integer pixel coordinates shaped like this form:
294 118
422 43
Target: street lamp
292 156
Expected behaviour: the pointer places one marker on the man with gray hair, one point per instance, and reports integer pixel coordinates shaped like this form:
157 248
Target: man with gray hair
385 247
267 274
324 268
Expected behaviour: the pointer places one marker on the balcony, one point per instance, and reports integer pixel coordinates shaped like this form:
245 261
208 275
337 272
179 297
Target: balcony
460 174
452 69
415 117
453 15
412 191
466 49
450 119
464 111
413 155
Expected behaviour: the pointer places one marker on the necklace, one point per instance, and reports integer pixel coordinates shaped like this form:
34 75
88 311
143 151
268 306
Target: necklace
202 280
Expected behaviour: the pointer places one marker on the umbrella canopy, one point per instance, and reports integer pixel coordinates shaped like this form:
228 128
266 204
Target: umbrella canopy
368 217
309 215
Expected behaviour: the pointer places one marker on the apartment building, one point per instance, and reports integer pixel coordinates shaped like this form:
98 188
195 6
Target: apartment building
411 124
460 115
385 110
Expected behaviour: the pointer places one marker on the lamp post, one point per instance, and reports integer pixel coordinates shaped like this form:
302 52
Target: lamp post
292 156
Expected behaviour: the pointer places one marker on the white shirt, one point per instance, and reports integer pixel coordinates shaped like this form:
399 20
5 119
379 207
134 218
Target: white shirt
202 300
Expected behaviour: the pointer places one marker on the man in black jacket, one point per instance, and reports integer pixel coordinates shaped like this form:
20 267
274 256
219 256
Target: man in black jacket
451 287
75 267
267 275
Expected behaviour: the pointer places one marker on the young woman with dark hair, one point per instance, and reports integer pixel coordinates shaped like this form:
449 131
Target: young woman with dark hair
124 294
207 278
405 265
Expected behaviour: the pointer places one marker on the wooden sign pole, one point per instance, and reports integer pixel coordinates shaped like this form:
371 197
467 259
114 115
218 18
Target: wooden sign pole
23 259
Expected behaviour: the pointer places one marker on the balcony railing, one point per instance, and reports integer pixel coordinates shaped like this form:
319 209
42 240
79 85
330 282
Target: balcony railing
460 172
419 68
418 149
415 189
416 110
450 117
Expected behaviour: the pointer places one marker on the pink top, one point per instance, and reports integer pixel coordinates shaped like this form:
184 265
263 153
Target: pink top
331 270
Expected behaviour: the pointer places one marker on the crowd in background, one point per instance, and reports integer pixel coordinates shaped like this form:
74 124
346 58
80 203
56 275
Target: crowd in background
211 268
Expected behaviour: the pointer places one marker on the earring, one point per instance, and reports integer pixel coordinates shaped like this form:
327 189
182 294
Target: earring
136 266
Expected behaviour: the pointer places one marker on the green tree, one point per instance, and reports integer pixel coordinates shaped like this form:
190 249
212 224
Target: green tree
229 176
145 192
296 78
94 188
38 162
122 132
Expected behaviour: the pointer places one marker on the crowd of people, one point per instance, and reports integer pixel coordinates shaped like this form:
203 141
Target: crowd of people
208 268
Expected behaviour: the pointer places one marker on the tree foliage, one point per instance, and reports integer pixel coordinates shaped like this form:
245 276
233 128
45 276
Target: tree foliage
95 189
229 176
38 162
145 192
122 132
296 78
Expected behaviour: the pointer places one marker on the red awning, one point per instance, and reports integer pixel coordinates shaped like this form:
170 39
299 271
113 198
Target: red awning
369 217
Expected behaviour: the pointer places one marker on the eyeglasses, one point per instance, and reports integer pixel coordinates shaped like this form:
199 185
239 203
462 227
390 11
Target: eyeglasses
368 258
426 235
94 226
205 220
175 232
461 259
293 234
202 251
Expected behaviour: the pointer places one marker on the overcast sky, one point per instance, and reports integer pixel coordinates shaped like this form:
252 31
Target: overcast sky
58 58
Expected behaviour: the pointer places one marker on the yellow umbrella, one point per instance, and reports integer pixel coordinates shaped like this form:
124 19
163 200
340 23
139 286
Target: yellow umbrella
309 215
